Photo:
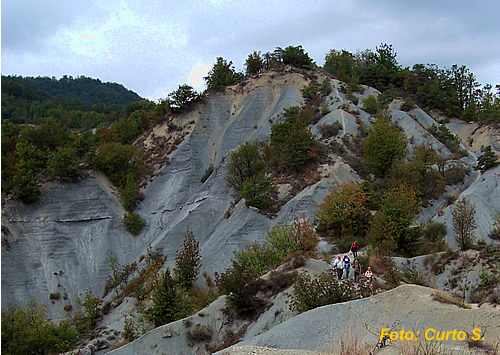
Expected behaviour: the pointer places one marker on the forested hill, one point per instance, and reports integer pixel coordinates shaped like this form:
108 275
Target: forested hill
31 100
83 88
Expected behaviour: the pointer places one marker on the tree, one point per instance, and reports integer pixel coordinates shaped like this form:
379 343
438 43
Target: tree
487 160
221 75
254 63
341 64
133 223
182 97
384 146
243 163
391 228
187 261
296 56
343 211
464 223
257 191
168 304
64 164
26 330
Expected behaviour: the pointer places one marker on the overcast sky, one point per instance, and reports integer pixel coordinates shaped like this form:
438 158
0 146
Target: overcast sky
152 46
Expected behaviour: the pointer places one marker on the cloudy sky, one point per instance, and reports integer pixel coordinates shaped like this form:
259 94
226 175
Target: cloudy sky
152 46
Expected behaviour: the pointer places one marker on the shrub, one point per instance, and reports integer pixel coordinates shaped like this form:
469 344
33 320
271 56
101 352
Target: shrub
168 303
371 104
258 258
55 296
325 108
133 223
408 104
330 130
282 240
257 192
312 292
187 261
129 330
26 330
208 172
326 87
199 334
435 232
241 285
487 160
309 92
243 163
495 232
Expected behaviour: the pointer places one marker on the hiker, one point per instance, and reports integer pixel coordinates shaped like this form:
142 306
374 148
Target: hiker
354 248
369 274
338 266
347 265
357 270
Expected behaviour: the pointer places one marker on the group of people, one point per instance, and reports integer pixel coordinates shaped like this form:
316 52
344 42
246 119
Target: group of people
344 264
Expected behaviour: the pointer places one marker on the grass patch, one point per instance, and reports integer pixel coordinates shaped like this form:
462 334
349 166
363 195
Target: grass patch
449 299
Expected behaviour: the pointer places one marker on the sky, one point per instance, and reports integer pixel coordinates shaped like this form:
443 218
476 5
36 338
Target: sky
153 46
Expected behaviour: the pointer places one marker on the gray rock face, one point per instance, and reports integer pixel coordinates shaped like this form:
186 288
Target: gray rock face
62 243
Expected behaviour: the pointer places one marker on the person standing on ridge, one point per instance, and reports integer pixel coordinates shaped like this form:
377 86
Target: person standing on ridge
354 248
357 270
347 265
338 266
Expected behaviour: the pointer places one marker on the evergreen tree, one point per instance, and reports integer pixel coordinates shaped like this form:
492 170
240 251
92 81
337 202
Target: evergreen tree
254 63
221 75
487 160
187 261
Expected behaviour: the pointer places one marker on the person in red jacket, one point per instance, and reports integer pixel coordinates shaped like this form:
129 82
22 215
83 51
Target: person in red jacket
354 248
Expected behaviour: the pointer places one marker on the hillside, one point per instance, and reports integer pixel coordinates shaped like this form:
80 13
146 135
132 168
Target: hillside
62 243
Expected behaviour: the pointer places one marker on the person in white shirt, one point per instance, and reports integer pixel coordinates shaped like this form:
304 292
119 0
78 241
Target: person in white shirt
338 266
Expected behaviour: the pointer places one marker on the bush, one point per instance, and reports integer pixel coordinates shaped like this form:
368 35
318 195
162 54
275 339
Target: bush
133 223
312 292
326 87
169 303
435 232
259 258
408 105
330 130
26 330
257 192
325 108
199 334
371 104
384 146
309 92
241 285
242 164
208 172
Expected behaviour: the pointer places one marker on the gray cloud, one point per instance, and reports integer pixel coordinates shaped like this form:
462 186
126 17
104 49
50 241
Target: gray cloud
153 47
